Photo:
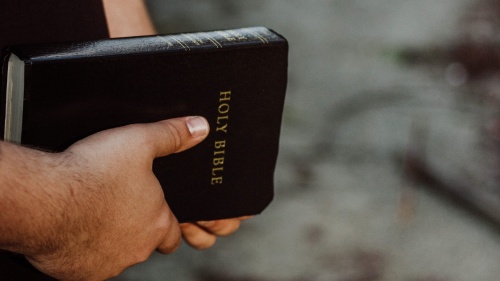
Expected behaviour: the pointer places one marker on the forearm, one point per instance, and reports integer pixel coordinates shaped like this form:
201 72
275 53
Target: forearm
32 201
127 18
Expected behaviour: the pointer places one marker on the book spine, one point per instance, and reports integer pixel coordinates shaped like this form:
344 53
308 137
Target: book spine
182 42
220 39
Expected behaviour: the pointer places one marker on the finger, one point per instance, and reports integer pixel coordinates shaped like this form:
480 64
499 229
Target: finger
220 227
176 135
157 139
244 218
197 237
171 239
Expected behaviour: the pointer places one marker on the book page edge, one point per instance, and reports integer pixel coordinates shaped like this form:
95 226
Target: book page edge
14 100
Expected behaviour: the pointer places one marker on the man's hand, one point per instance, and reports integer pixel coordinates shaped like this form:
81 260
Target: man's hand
97 208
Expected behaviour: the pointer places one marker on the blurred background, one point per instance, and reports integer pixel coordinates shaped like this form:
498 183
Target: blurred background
389 165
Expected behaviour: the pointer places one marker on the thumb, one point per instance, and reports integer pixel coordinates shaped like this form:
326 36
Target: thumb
178 134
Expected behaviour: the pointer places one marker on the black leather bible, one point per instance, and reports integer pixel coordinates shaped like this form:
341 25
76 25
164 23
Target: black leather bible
54 95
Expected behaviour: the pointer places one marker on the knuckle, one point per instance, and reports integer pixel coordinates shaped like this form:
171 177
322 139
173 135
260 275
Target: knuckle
172 237
176 244
174 241
173 134
142 257
171 246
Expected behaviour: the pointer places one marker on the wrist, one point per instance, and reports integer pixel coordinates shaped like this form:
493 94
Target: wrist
34 198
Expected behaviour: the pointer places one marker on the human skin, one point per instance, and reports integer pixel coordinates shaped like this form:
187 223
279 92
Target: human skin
95 209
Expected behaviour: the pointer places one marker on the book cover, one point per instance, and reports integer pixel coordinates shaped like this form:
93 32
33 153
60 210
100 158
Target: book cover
57 94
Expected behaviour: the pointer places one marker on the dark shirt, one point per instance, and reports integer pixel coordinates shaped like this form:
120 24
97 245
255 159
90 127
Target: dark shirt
47 21
44 21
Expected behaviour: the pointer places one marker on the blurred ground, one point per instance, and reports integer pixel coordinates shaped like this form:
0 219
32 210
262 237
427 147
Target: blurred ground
390 103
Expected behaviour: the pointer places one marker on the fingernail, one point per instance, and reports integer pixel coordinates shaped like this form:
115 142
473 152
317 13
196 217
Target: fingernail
245 218
206 223
197 126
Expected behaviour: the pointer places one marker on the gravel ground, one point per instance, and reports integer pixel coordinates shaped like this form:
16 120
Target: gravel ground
357 106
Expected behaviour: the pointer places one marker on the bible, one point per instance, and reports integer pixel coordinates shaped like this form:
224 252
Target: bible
56 94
